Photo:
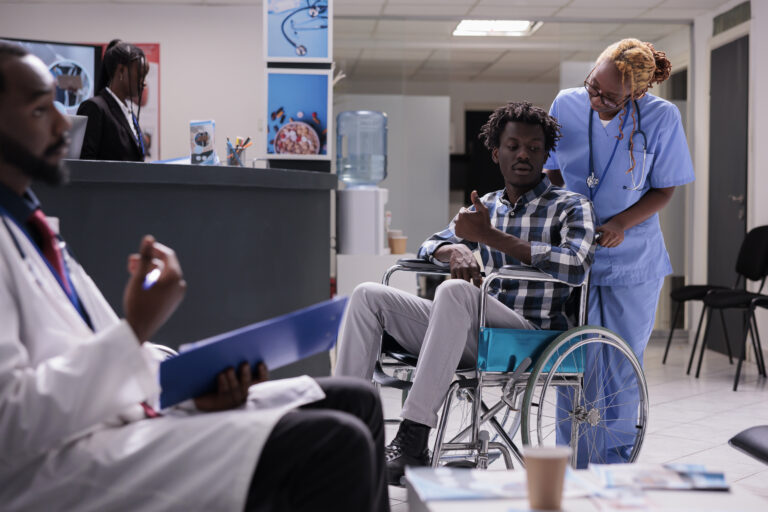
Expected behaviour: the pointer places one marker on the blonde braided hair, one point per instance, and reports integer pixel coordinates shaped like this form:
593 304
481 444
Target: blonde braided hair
641 64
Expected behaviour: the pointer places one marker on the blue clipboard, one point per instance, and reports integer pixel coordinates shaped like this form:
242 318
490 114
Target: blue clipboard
276 342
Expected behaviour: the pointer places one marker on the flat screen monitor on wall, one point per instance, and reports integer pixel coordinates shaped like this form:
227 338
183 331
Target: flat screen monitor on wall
74 66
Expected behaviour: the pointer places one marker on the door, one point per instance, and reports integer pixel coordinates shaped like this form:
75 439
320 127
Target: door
483 175
729 101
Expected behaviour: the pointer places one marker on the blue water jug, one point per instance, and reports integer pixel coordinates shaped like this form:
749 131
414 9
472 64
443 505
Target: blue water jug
361 147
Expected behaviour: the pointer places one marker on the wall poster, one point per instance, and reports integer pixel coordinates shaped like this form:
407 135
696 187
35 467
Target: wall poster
298 30
299 122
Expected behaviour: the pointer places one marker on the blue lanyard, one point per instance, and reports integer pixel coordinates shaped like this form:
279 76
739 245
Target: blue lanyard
73 298
139 138
590 179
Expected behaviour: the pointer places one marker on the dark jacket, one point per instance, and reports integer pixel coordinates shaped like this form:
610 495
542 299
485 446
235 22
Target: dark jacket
107 135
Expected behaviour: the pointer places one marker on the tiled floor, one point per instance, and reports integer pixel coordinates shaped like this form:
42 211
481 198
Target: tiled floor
690 419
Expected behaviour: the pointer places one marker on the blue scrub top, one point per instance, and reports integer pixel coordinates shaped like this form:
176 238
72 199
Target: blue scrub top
642 256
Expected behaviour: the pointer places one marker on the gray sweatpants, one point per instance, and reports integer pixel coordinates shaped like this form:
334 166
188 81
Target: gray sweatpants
443 333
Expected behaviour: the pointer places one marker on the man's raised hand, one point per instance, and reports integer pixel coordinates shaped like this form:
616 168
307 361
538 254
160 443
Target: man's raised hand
473 226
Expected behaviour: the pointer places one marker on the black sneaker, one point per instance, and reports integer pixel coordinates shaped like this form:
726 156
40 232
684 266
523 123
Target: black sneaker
408 448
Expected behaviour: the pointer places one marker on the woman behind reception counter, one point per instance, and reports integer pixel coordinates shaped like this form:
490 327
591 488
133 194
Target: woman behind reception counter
113 131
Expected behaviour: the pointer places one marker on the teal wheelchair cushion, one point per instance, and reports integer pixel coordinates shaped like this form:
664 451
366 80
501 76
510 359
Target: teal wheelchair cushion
501 350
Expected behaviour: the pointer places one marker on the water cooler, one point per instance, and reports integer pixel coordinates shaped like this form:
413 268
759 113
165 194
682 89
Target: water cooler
361 163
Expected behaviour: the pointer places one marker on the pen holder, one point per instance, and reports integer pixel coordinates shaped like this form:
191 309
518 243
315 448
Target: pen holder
235 156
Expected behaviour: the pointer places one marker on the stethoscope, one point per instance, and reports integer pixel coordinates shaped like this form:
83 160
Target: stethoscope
317 11
593 181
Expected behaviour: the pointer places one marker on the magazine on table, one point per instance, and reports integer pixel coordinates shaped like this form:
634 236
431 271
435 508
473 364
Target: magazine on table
661 477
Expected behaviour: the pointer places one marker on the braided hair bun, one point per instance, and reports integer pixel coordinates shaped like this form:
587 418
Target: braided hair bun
663 66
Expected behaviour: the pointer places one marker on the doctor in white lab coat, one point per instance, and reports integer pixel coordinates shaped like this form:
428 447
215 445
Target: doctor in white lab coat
76 428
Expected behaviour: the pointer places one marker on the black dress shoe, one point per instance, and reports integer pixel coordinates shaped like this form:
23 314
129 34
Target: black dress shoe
408 448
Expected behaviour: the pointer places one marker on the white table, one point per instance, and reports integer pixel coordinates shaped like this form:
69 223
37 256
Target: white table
698 501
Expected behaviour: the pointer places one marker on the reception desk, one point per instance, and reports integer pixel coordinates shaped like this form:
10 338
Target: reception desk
253 243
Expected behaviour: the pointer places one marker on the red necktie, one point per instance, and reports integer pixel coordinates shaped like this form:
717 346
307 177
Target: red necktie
50 245
149 411
51 251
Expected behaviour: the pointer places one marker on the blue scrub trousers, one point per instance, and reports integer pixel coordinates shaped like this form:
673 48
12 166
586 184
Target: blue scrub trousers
629 311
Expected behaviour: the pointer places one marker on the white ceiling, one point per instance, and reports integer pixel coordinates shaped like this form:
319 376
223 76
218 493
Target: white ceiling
411 39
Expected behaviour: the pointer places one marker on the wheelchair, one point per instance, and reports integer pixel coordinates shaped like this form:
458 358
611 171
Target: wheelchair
532 387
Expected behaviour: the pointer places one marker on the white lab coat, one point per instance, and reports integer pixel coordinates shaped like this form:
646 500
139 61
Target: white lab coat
72 434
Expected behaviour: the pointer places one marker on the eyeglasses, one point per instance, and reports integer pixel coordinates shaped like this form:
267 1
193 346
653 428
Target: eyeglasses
594 92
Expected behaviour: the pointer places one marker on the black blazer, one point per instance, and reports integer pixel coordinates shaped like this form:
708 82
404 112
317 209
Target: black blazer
107 134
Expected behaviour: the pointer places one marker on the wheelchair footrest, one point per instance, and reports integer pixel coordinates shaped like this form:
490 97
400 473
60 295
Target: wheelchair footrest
388 381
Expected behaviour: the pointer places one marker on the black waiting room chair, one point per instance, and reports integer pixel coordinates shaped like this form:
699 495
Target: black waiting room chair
751 264
753 442
746 302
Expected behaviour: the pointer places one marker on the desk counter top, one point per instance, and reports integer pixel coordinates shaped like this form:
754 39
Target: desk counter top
94 171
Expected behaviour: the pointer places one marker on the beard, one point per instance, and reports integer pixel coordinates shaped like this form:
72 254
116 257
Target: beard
33 166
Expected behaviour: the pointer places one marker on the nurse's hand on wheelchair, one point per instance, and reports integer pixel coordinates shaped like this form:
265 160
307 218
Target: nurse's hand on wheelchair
610 234
232 391
462 262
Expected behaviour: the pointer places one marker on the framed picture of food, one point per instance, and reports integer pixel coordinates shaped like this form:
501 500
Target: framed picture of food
298 119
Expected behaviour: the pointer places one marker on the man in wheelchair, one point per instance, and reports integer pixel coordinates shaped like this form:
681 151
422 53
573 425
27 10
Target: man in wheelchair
528 222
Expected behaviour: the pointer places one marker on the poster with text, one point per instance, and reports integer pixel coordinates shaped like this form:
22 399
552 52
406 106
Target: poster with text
298 30
298 110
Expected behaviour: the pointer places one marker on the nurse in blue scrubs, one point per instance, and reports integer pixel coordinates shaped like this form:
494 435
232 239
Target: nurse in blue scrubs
625 149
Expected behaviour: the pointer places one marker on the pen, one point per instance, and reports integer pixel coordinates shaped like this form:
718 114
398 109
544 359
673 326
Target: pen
151 278
234 153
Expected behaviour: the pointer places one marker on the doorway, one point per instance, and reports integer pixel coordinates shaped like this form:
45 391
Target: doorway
728 158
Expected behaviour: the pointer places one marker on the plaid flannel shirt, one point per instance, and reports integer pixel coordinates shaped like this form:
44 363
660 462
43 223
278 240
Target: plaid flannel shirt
560 226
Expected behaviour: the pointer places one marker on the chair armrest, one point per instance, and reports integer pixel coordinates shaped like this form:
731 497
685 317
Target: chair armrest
414 265
168 352
753 441
761 301
524 273
420 264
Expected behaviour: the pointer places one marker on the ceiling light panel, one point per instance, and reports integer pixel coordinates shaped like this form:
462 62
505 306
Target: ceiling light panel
496 28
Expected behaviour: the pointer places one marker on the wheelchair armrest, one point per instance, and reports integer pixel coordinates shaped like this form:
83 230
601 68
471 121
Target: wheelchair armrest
526 274
420 264
414 265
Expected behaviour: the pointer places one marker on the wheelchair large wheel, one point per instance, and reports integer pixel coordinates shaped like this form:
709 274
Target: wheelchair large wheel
587 390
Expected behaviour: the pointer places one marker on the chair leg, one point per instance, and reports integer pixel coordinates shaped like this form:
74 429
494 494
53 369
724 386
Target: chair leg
757 345
671 331
741 357
754 346
704 342
727 340
695 341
